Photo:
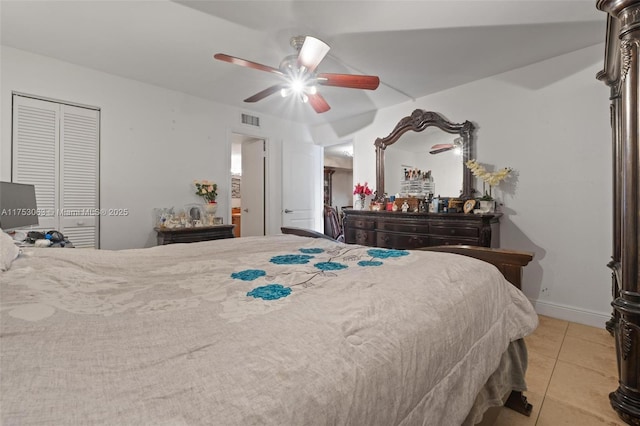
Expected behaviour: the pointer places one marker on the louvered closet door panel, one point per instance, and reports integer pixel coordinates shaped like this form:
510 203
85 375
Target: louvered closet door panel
79 175
35 150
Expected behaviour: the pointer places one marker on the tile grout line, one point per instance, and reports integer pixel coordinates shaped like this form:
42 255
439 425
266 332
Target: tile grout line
555 363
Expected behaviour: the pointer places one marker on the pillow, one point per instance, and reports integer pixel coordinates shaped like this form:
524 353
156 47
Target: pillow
8 251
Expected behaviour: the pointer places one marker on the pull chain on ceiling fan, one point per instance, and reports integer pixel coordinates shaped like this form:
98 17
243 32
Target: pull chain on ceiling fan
300 78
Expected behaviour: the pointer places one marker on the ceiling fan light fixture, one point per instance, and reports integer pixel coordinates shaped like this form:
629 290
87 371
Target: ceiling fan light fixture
312 52
299 76
297 85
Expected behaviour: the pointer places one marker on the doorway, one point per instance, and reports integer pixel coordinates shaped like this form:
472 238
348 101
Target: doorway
248 185
338 182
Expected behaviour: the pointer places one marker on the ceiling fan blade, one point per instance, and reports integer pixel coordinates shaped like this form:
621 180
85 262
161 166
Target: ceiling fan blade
245 63
441 147
352 81
318 103
266 92
312 52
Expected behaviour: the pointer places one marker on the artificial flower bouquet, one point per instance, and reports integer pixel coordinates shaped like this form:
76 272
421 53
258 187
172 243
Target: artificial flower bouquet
362 190
489 178
207 190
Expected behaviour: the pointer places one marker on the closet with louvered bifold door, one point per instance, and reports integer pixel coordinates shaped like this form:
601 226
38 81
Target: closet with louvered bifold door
55 146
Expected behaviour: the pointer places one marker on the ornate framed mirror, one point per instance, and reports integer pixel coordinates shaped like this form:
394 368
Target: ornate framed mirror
443 145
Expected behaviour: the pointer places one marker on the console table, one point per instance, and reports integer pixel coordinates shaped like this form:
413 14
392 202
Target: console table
409 230
193 235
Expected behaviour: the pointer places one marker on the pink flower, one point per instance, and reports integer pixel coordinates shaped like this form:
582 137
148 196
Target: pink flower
362 190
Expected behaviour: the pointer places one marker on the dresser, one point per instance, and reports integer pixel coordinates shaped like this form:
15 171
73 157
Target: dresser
193 235
410 230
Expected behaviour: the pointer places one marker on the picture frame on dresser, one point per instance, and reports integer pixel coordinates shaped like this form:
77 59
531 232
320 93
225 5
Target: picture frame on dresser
469 205
194 212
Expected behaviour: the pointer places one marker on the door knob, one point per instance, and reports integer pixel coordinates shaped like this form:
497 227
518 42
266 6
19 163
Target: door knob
246 210
288 211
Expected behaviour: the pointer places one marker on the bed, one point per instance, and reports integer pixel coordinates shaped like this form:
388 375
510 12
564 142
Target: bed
277 330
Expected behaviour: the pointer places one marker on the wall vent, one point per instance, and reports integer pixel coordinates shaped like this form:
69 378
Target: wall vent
251 120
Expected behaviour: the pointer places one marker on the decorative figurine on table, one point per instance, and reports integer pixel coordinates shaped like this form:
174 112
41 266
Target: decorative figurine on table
405 206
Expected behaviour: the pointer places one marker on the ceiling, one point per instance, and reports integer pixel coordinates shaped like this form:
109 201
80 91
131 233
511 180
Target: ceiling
415 47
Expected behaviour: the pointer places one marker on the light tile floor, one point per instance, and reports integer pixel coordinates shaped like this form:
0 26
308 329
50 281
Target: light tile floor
572 369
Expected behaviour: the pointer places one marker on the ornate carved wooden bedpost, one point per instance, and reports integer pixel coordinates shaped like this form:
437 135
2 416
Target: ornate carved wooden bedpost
621 74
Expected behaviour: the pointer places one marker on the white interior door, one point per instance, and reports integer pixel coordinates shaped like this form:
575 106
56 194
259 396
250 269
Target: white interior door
56 149
36 144
79 175
302 180
252 187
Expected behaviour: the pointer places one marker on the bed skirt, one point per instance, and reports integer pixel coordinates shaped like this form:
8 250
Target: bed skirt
509 376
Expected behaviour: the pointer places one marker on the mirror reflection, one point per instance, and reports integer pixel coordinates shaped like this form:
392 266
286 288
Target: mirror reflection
425 153
423 162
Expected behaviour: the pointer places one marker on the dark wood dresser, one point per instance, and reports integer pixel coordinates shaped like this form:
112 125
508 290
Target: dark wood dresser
193 235
400 230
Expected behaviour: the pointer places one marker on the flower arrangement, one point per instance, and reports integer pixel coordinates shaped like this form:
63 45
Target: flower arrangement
207 190
362 190
488 178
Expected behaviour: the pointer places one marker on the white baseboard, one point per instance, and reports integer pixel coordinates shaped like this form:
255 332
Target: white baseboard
570 313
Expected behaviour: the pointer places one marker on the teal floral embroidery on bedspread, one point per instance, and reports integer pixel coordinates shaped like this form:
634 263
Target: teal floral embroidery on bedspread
381 254
270 292
248 274
311 250
369 263
291 259
326 266
386 253
330 266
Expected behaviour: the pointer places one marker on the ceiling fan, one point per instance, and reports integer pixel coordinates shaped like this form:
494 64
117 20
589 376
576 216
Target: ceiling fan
299 76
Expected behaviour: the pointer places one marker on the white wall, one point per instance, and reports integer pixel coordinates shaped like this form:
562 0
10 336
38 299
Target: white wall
154 142
550 122
342 188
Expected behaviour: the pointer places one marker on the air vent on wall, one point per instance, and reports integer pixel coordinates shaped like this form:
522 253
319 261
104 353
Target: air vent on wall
251 120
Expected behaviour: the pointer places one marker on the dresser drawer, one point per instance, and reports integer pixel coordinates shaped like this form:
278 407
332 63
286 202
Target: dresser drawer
444 241
401 241
360 236
412 228
454 231
361 223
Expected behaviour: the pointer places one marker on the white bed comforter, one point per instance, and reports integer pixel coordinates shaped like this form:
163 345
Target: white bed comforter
277 330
